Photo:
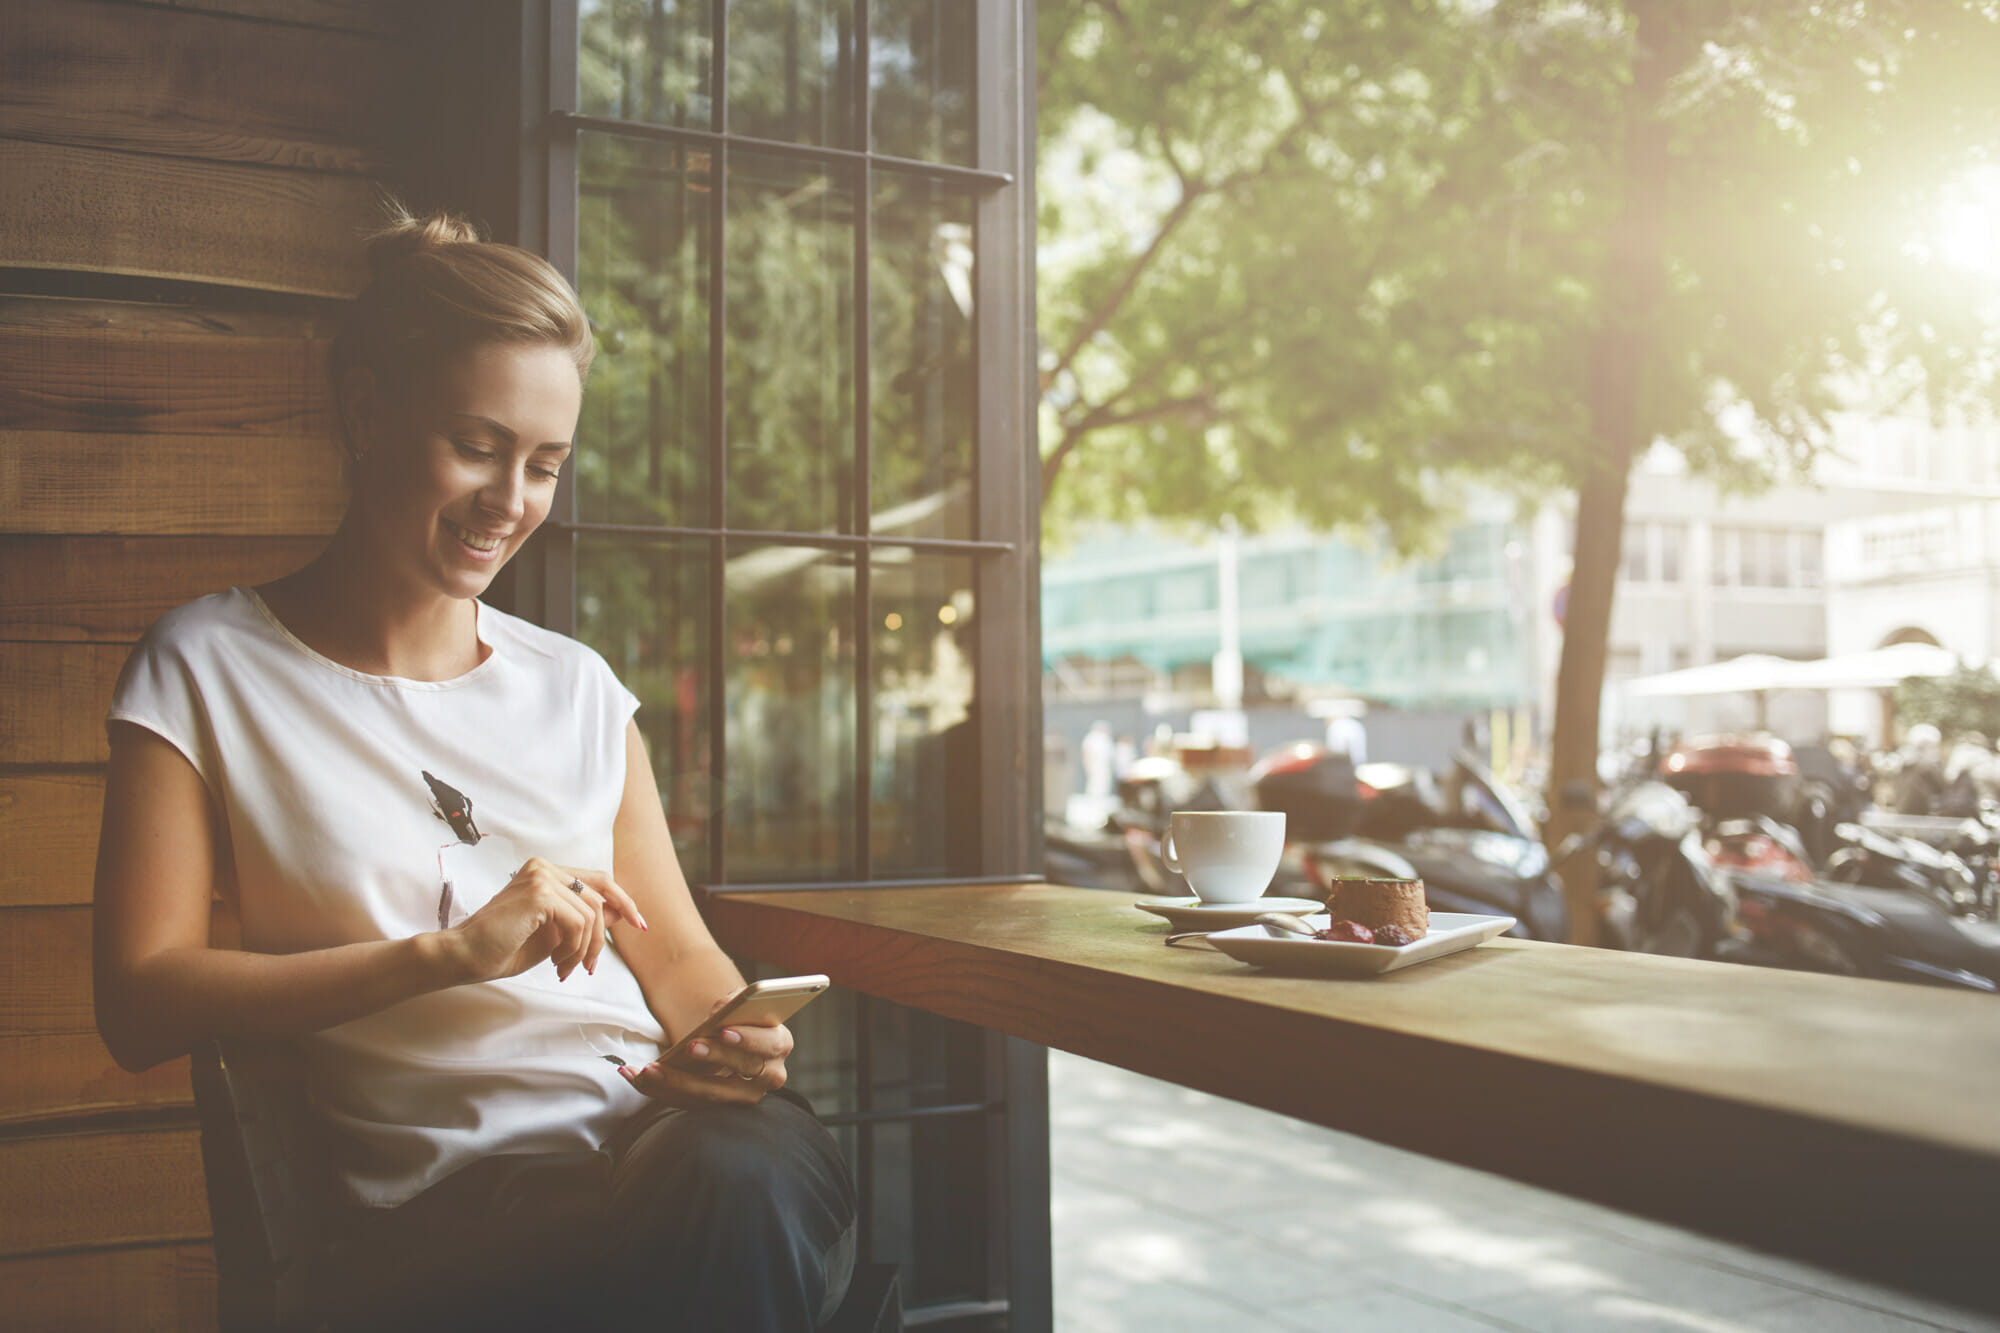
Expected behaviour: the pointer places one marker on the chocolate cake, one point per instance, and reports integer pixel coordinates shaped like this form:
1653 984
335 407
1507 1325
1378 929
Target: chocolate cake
1376 903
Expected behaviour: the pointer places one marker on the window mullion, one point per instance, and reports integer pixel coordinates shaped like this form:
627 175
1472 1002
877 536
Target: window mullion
863 485
718 456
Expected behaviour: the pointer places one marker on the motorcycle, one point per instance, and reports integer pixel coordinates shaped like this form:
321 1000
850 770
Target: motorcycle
1470 842
1659 891
1876 859
1900 928
1089 858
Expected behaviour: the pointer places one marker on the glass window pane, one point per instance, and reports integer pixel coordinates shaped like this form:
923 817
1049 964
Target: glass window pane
1632 566
1724 548
791 71
645 606
1671 537
925 784
919 1186
920 63
790 701
642 272
647 60
789 352
923 386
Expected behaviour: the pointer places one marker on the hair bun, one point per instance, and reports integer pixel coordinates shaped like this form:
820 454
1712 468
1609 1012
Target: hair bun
408 234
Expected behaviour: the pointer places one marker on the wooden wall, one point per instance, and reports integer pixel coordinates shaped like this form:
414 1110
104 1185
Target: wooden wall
181 192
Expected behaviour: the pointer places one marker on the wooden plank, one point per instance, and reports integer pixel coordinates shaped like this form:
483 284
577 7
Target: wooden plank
109 1188
57 482
109 589
1843 1121
192 85
105 366
71 1074
385 17
45 959
48 824
248 226
314 321
146 1287
52 707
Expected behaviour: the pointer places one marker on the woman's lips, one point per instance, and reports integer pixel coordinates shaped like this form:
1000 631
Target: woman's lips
479 545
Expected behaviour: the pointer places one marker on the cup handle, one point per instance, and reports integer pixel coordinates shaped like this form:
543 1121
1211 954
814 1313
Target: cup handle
1167 854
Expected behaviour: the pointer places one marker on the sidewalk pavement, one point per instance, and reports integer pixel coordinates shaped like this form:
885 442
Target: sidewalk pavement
1174 1210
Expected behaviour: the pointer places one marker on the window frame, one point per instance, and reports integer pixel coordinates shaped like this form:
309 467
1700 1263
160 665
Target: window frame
526 183
1004 546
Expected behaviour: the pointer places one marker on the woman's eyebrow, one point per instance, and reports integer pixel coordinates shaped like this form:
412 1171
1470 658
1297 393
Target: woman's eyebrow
504 432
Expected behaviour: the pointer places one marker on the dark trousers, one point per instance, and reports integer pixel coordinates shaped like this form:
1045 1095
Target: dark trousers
733 1218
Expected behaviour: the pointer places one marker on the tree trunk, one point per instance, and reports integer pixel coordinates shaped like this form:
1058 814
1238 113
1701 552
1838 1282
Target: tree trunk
1628 299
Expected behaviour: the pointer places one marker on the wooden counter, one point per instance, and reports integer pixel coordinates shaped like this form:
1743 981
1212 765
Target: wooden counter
1852 1123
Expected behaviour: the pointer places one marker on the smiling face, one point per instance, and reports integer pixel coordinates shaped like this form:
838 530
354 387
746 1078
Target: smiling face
459 469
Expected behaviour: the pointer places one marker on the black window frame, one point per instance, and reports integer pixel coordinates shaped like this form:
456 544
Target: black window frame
1006 485
525 184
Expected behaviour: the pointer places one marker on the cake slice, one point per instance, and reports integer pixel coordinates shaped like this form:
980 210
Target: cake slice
1376 903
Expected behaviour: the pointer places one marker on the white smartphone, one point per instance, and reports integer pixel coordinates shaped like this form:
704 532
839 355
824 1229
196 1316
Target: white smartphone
759 1004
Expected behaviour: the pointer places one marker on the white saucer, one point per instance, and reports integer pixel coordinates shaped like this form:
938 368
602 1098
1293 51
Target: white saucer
1450 932
1194 914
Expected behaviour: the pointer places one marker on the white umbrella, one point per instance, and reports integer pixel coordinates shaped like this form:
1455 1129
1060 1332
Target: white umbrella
1749 674
1875 669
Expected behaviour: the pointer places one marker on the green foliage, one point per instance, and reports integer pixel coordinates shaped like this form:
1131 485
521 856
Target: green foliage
1967 700
1303 256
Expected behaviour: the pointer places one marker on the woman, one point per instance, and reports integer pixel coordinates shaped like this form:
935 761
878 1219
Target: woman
440 831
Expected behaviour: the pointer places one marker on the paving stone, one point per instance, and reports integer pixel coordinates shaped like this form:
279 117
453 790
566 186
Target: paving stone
1172 1209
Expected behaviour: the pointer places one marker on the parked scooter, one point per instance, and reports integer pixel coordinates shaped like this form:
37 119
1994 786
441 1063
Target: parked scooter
1658 889
1896 930
1880 860
1089 858
1473 845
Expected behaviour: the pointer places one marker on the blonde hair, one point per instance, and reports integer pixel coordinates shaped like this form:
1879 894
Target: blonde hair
438 288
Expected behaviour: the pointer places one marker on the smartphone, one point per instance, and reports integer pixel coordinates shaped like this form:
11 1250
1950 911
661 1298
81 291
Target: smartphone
760 1004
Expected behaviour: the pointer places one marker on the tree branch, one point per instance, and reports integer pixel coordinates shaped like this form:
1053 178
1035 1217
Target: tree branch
1094 322
1201 406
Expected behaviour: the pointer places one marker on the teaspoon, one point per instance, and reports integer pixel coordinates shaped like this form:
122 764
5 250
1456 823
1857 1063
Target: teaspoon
1288 923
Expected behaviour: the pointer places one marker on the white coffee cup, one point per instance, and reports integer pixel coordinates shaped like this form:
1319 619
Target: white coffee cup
1228 856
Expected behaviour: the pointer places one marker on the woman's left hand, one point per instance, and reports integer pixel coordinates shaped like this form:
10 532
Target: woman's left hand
744 1062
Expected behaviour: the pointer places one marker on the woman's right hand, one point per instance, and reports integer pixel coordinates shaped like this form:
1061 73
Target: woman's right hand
539 915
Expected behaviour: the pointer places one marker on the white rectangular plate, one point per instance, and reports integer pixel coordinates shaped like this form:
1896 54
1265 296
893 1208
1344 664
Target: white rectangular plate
1276 949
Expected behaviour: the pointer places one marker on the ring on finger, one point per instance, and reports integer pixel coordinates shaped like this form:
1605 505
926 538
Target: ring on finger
752 1078
576 887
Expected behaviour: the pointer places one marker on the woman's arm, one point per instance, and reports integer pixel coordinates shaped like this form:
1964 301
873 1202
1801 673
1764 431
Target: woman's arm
685 975
682 970
161 988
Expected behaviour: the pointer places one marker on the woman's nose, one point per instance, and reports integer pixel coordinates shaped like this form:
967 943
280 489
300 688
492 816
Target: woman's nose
505 495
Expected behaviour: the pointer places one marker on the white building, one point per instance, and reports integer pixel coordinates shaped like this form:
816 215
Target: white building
1896 540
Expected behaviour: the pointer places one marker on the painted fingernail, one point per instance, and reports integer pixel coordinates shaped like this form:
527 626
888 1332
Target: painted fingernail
698 1048
732 1036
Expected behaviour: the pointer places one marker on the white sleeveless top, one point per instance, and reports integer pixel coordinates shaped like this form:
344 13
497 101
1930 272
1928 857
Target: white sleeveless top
370 808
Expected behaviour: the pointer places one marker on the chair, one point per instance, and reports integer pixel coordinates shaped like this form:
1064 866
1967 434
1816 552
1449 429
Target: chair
268 1182
269 1186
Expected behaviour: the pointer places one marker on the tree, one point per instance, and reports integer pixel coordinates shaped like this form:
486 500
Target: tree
1522 240
1968 700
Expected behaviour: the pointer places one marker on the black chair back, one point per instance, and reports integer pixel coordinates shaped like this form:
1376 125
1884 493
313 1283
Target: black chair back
268 1181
